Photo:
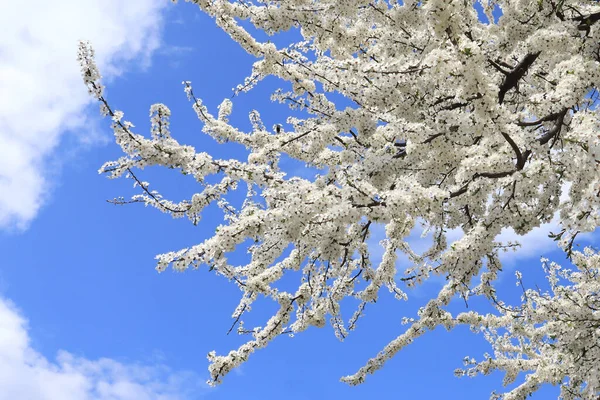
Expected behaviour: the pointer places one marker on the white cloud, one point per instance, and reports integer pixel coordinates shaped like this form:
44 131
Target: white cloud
26 374
536 243
42 93
533 245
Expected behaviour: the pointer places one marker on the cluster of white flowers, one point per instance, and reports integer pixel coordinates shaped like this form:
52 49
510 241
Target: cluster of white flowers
455 121
553 337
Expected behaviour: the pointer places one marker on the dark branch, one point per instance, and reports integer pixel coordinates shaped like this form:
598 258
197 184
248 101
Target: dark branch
511 78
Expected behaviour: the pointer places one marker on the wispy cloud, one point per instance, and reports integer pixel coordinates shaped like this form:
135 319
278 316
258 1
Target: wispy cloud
26 374
533 245
536 243
42 94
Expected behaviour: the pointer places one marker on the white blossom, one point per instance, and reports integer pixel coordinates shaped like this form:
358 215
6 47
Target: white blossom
455 121
553 337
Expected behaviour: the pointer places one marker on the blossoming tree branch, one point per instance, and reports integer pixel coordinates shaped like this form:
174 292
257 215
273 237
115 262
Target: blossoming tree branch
458 120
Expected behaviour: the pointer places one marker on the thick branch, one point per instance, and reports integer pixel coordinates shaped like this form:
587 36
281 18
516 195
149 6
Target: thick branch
512 78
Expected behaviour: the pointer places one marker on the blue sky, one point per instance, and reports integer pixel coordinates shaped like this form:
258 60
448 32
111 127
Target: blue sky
83 313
